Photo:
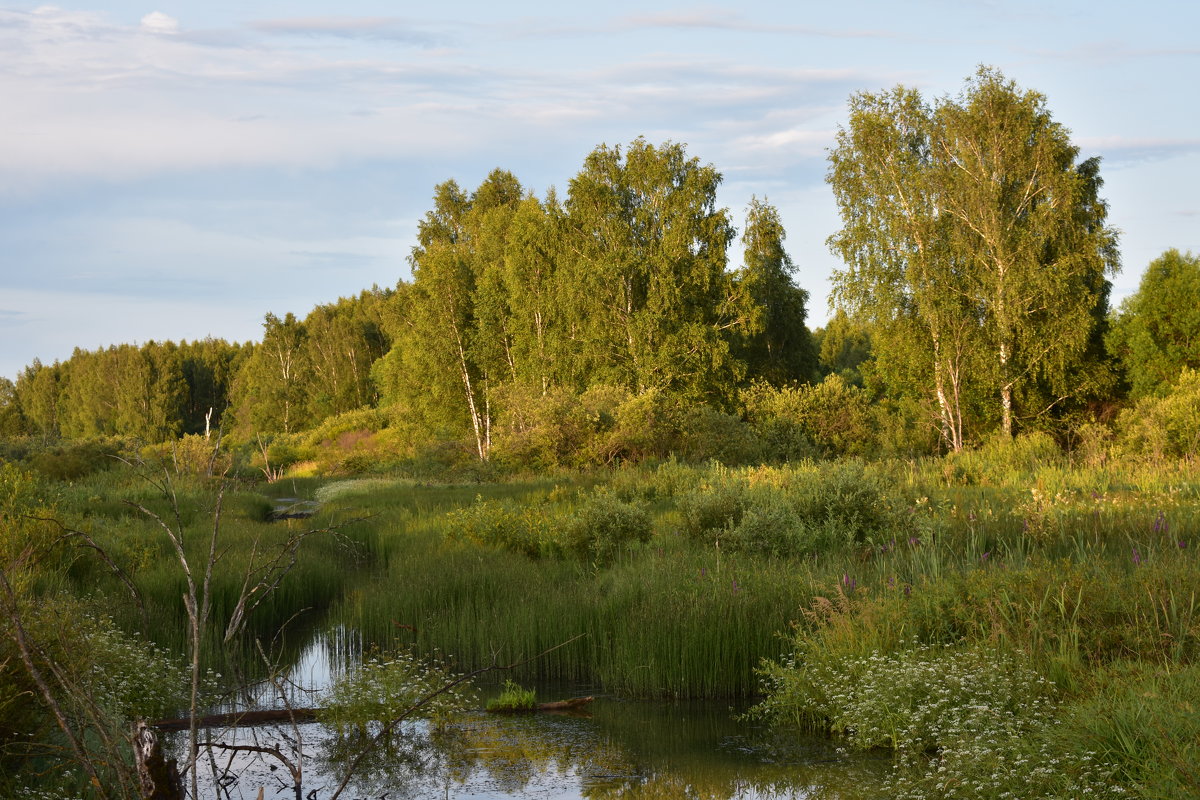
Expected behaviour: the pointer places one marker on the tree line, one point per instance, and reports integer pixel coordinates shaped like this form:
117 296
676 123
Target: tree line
974 298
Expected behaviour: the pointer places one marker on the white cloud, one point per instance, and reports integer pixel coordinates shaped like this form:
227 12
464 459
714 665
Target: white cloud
158 22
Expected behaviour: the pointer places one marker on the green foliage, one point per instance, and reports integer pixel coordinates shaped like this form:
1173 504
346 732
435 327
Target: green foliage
975 244
603 526
707 434
842 346
1000 459
1146 724
986 716
794 512
778 348
1167 426
524 529
830 418
73 460
513 698
1157 332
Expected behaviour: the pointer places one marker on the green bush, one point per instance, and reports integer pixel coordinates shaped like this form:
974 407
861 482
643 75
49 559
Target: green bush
390 689
713 507
1004 461
830 418
604 526
1165 427
522 529
71 461
709 434
772 529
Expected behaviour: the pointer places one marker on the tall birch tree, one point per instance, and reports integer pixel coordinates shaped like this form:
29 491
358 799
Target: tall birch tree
976 241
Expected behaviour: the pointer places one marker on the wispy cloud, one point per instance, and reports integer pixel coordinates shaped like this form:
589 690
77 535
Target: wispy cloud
391 29
1113 52
716 19
94 99
1123 151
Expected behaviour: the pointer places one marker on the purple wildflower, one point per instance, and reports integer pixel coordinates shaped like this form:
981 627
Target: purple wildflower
986 554
1137 557
735 586
907 589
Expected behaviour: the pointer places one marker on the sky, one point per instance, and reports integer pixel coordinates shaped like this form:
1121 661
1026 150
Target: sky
176 170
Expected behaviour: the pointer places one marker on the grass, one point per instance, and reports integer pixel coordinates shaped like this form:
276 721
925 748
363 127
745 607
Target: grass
685 580
512 699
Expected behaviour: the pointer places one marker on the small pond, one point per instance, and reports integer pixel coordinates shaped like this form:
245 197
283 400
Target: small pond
616 749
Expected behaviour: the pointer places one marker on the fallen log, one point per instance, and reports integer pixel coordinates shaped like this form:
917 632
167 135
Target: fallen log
574 704
565 705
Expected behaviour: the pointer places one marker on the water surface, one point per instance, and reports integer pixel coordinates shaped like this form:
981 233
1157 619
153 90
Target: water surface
618 749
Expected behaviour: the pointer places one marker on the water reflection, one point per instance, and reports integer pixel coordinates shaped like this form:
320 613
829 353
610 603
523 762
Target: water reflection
623 750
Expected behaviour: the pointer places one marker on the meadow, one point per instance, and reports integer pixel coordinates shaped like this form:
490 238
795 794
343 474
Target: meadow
1003 620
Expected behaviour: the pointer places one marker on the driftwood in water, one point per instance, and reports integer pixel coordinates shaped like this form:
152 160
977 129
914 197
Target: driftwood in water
565 705
233 718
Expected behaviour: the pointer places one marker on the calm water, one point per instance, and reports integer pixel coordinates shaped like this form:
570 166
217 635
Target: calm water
619 749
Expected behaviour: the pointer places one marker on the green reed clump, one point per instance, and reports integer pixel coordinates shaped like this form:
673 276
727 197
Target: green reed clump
513 698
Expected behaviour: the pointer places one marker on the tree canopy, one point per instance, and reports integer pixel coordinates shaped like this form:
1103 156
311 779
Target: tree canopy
1157 332
976 244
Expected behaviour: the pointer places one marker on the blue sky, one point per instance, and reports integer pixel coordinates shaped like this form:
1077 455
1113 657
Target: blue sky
174 170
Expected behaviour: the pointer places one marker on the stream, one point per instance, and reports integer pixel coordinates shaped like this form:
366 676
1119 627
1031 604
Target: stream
618 748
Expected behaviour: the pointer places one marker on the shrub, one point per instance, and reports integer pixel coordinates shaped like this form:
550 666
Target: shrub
772 529
715 505
849 504
709 434
74 460
1004 461
521 529
1165 427
966 722
830 418
604 526
191 454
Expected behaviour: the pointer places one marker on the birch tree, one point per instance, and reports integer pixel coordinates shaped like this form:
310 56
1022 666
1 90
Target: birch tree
976 242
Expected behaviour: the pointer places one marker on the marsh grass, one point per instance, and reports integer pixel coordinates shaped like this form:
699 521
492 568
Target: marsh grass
685 579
